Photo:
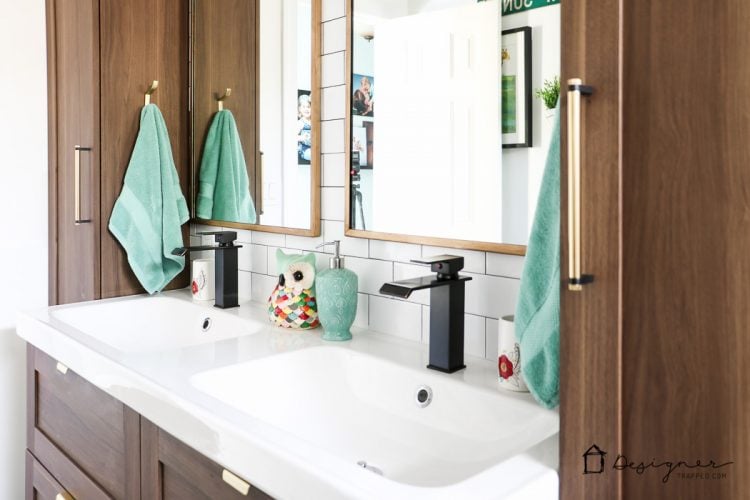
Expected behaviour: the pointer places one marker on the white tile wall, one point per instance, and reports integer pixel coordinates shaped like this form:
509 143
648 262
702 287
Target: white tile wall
492 293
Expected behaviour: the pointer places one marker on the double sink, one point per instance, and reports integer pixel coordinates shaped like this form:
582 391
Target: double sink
362 418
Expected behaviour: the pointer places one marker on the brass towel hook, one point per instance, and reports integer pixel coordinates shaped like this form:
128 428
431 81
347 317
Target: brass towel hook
221 98
151 90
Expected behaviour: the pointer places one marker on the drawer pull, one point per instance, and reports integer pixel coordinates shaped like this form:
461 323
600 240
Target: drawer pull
62 369
63 496
235 482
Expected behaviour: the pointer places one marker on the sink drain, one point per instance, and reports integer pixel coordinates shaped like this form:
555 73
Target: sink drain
423 396
370 467
207 322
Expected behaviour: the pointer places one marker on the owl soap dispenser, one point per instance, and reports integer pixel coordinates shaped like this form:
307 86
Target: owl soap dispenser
336 289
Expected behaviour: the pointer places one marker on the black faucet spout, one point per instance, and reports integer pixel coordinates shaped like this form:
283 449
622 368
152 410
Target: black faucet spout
447 297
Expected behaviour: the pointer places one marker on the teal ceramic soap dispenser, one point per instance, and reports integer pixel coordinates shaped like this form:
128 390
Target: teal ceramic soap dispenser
336 289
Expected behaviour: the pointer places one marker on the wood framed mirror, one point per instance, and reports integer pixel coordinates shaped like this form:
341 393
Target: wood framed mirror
428 154
259 60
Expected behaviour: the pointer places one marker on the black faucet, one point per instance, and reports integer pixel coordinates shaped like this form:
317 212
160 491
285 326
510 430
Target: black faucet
225 265
447 295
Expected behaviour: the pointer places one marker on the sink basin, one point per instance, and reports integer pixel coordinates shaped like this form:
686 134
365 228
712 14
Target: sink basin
149 324
364 409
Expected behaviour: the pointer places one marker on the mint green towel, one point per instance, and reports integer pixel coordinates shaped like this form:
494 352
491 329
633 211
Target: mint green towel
147 215
537 319
224 190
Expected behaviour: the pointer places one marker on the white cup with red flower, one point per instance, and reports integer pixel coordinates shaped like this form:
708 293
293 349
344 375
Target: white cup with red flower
202 283
509 357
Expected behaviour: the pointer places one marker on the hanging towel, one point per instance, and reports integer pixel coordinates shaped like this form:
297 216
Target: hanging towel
538 309
224 189
147 215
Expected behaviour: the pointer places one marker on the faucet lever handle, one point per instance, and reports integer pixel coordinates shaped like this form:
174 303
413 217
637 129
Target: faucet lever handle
444 265
223 238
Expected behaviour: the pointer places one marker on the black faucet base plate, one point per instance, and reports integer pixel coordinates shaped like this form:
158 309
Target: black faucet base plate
445 370
226 307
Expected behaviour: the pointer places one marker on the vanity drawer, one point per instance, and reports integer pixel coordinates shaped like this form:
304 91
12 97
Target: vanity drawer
68 483
41 485
80 433
171 470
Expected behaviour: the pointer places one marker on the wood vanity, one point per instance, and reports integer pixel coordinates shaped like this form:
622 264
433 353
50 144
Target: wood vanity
85 444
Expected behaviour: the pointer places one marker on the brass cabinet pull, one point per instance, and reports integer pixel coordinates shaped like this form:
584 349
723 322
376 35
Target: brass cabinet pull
62 368
235 482
576 279
63 496
77 174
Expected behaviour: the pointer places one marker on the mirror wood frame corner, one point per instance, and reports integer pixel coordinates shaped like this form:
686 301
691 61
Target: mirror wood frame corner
485 246
315 162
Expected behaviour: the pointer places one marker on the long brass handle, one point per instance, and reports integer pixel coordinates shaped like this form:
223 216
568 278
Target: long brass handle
63 496
77 174
235 482
576 278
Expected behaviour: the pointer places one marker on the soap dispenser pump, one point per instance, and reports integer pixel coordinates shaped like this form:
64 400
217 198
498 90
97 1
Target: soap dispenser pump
336 289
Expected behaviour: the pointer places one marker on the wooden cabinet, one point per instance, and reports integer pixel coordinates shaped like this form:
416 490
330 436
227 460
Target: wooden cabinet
174 471
654 351
102 55
85 444
87 438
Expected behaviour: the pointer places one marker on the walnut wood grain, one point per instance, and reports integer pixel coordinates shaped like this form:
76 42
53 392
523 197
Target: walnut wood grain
171 470
73 34
40 484
87 439
686 244
590 335
141 41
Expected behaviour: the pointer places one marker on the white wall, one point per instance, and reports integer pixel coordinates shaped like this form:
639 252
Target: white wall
23 205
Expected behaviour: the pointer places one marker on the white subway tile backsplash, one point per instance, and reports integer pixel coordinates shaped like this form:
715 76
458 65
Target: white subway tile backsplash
474 332
334 170
334 103
332 136
391 250
334 35
371 274
395 317
355 247
491 296
333 9
200 228
259 262
304 242
332 203
262 286
244 286
499 264
473 259
269 239
492 326
243 235
333 69
245 258
363 310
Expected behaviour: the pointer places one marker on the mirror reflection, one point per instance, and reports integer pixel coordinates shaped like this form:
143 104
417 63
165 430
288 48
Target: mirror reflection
447 140
253 112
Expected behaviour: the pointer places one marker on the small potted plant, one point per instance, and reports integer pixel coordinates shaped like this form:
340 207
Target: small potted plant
549 94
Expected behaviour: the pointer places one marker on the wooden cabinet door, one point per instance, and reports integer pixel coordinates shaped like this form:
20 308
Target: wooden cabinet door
141 41
171 470
88 440
73 43
654 352
40 484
